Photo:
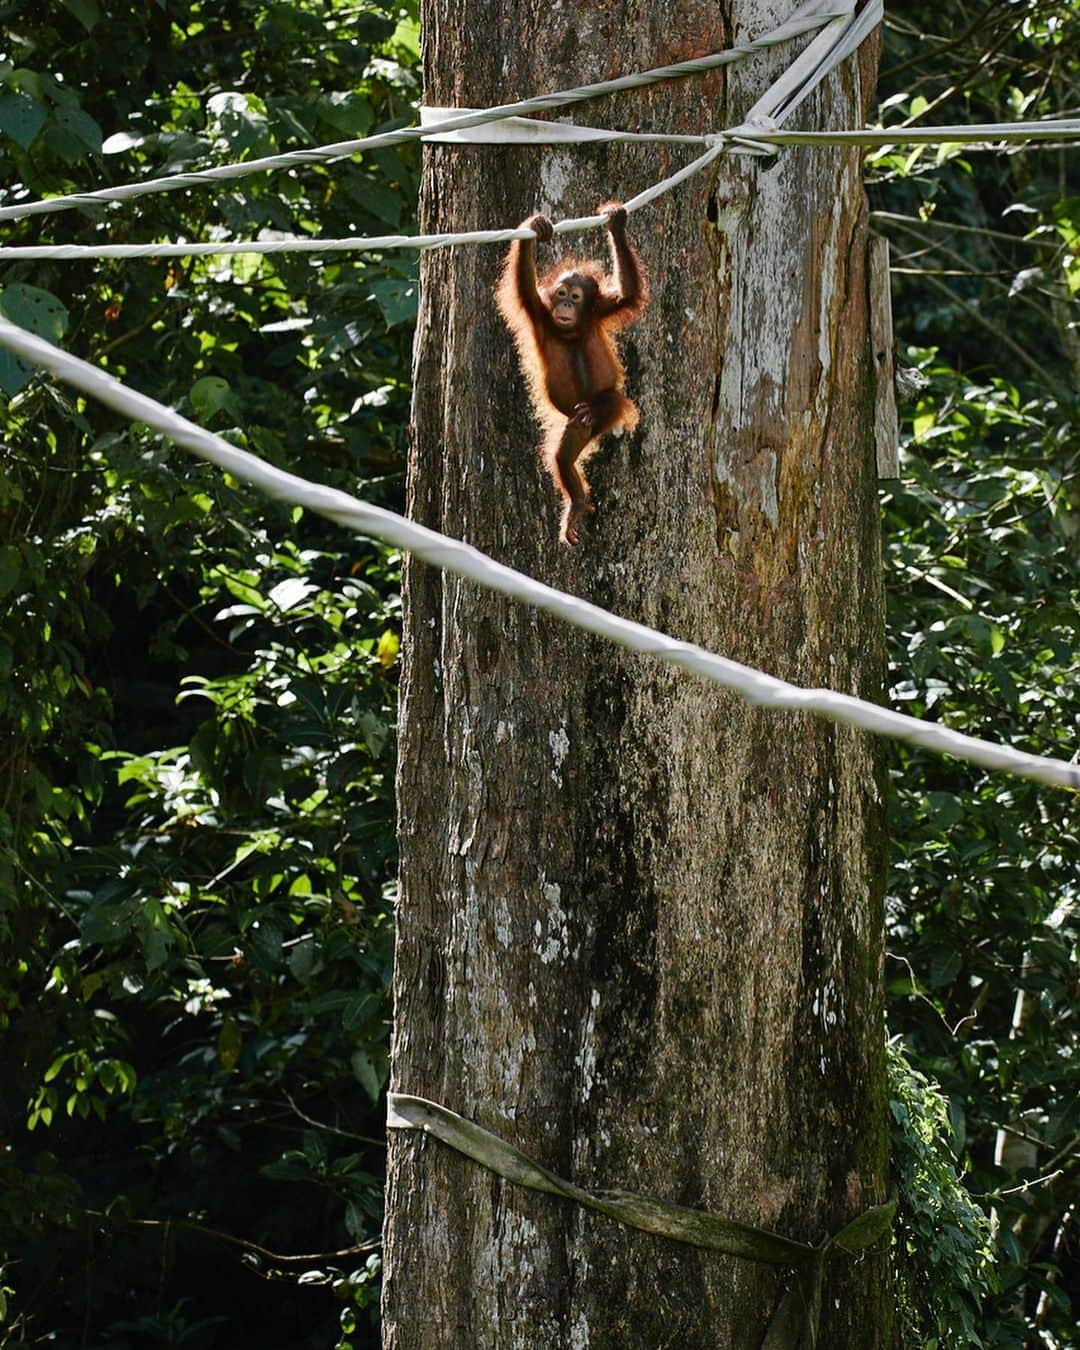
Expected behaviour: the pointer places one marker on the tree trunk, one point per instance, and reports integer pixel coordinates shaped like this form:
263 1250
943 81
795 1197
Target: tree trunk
640 925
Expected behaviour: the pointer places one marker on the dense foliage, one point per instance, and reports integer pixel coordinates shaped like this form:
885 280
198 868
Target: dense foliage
944 1258
196 686
984 616
196 843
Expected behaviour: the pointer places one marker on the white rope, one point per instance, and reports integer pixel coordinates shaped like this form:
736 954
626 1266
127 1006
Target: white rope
380 243
760 132
531 131
1061 128
808 69
462 559
758 136
830 47
842 34
226 248
808 16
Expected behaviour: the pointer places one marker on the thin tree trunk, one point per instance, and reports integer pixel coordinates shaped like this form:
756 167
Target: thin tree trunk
640 926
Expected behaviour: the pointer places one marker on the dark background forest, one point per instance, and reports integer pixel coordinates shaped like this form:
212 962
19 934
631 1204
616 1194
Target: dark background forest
197 686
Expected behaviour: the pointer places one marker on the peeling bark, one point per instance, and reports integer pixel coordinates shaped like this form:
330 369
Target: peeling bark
640 926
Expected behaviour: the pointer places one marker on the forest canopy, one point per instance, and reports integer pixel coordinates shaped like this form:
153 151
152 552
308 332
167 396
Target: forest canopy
198 686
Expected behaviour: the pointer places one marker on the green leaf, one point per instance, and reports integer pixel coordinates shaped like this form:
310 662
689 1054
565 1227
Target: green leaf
314 1148
305 961
375 732
944 968
945 809
34 309
265 940
107 922
155 934
241 120
1002 677
285 1171
356 1222
73 132
209 396
21 117
346 112
263 774
366 1074
397 299
370 27
10 568
86 11
54 1068
40 313
407 36
359 1009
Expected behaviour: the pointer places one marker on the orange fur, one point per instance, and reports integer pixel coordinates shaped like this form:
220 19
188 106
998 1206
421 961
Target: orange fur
571 366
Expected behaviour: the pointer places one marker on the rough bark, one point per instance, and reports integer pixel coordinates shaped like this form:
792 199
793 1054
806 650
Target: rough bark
640 925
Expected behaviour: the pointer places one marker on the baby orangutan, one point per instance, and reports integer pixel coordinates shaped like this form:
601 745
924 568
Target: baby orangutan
563 326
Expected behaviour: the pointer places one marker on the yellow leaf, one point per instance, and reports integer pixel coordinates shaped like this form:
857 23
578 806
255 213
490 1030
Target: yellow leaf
229 1044
388 648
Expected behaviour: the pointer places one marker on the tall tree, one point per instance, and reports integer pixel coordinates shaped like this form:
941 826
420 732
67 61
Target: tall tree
640 924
